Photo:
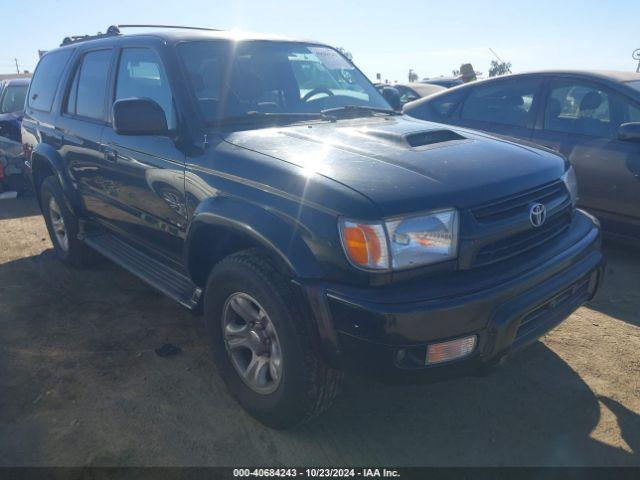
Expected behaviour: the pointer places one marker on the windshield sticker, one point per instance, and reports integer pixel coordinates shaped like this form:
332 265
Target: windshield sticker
330 58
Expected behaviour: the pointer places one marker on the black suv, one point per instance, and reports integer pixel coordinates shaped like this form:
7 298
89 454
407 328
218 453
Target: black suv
267 181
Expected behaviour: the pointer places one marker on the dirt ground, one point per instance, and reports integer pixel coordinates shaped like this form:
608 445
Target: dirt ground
80 383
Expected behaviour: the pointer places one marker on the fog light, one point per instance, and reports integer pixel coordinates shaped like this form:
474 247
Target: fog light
451 350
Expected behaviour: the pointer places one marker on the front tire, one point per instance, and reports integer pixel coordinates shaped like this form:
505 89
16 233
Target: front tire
261 343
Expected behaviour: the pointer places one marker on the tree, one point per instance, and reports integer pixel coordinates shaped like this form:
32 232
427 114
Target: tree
499 68
413 76
346 53
455 72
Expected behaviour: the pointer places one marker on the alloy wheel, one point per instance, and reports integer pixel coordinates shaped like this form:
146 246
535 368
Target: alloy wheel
57 222
252 343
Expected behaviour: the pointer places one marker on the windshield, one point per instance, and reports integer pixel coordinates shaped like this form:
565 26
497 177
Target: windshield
233 79
13 98
635 85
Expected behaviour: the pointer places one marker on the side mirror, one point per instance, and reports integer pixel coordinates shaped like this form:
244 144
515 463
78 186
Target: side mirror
139 116
629 132
392 95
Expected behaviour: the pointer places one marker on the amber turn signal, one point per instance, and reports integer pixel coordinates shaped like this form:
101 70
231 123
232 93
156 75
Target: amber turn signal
365 244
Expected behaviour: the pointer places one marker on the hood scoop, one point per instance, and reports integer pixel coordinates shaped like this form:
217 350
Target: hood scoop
415 139
431 137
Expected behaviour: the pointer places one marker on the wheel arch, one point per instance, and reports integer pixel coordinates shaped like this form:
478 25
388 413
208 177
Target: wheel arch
45 161
223 225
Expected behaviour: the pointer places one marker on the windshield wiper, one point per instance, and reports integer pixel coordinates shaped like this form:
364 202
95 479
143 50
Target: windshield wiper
360 108
286 117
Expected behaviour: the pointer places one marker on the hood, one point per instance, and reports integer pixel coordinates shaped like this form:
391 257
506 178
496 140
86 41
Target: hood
406 165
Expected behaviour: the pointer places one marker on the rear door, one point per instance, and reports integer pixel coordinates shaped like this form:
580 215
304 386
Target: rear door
146 172
81 124
581 120
505 107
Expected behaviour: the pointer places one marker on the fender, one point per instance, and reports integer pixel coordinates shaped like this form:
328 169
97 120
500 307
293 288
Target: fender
284 238
276 233
47 154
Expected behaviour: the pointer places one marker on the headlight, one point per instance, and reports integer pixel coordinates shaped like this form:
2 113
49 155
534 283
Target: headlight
402 242
425 239
570 181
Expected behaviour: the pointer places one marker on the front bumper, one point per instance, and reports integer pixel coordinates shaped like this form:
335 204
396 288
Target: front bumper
386 330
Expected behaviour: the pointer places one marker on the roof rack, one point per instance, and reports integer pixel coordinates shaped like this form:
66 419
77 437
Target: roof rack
118 27
114 30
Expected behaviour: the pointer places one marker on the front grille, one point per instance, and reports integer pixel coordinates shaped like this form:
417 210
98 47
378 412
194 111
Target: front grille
517 204
521 242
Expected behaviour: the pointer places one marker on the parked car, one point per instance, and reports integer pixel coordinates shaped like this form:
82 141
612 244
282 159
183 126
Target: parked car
447 82
593 118
415 90
12 97
320 232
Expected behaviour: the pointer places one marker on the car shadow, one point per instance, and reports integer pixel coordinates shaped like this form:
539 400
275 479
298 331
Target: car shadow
615 297
82 385
23 206
534 410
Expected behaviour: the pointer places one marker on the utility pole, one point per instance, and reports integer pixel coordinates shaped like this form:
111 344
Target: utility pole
17 67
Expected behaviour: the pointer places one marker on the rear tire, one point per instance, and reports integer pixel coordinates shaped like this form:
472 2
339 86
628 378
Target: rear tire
305 386
63 227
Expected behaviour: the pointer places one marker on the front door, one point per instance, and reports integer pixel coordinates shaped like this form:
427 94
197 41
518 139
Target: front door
147 170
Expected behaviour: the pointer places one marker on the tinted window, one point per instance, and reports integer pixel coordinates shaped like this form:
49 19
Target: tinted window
46 78
506 102
632 113
406 94
140 74
13 98
444 105
87 93
579 108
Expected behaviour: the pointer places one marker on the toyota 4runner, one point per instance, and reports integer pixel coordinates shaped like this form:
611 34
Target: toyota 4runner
266 181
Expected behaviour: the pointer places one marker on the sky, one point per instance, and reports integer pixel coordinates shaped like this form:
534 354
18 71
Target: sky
430 37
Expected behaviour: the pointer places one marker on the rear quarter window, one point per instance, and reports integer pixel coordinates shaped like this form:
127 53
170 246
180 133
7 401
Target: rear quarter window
444 105
440 107
46 78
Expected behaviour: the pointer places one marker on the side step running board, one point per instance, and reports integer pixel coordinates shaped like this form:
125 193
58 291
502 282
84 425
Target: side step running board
169 281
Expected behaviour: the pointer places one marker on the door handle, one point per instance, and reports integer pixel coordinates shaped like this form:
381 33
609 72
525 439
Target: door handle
110 155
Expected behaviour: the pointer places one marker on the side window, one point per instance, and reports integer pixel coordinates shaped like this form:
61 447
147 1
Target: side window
89 87
46 78
13 98
70 106
444 105
579 108
140 74
632 113
406 94
506 102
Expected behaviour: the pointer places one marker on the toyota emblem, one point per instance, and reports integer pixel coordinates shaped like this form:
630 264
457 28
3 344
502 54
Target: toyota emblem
537 214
